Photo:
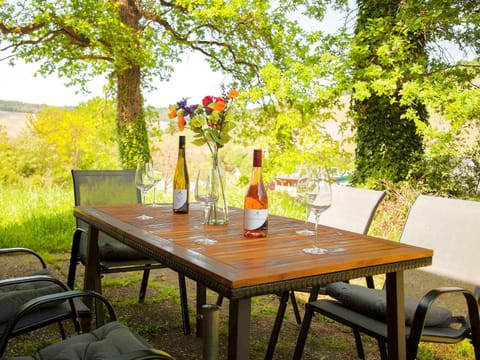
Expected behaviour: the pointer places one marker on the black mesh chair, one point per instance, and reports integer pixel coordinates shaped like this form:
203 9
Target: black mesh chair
111 341
18 290
100 187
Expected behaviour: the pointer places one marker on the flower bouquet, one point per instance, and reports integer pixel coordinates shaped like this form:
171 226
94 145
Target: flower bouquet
211 126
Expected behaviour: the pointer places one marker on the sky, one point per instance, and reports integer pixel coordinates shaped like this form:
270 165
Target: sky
192 78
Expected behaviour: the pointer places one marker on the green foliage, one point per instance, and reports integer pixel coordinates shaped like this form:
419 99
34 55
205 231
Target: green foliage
133 142
388 144
82 138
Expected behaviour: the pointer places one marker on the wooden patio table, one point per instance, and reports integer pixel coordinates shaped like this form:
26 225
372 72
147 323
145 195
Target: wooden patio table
240 268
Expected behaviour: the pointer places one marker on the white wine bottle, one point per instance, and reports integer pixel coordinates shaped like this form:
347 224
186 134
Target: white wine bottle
255 209
180 181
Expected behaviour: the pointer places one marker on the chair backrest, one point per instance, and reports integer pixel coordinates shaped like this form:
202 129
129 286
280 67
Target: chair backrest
352 208
101 187
451 228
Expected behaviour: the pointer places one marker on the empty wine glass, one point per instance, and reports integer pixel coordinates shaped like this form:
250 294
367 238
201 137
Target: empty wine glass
144 182
301 190
318 198
158 179
206 192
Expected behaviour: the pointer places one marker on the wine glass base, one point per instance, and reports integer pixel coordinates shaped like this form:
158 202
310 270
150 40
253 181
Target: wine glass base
315 251
305 232
144 217
205 241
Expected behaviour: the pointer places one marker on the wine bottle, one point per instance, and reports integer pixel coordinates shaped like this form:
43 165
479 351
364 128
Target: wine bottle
180 181
255 209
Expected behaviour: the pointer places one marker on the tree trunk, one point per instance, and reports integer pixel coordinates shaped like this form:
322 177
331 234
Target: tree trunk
389 145
133 139
133 136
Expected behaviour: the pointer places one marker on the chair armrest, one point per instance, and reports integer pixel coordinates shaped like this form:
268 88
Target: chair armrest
147 354
427 301
66 295
24 251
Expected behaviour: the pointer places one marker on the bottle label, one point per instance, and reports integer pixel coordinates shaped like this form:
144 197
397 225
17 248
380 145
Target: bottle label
256 219
179 198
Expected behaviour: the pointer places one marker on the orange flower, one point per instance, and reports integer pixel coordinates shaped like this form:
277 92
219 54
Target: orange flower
233 94
172 114
219 106
181 123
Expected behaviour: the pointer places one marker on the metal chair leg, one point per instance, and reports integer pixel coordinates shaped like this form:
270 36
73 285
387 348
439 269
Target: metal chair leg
302 336
143 286
74 258
277 325
359 345
293 300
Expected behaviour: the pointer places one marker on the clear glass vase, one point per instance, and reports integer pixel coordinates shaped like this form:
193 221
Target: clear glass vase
219 210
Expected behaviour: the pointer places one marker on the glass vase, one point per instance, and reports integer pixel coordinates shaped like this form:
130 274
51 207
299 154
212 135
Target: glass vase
219 210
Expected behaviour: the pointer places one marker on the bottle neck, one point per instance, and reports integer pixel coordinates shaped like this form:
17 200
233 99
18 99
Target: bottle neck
257 158
256 176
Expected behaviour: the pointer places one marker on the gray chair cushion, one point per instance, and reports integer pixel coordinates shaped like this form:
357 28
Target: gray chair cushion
372 302
108 341
13 296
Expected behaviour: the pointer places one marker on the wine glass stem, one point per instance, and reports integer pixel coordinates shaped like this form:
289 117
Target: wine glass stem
205 219
306 217
317 215
206 213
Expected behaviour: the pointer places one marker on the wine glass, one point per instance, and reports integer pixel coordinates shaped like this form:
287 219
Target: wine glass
144 182
206 192
301 190
318 198
158 179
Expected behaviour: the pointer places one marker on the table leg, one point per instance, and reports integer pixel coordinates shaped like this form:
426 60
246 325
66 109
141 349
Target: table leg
396 316
92 279
201 300
239 329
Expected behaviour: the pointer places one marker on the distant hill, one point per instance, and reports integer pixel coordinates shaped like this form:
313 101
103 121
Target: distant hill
21 107
18 106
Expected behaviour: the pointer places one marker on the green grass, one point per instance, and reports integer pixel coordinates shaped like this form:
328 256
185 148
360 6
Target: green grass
36 217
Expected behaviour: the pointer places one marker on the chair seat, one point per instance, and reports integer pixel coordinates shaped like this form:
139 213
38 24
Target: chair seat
378 329
107 342
373 302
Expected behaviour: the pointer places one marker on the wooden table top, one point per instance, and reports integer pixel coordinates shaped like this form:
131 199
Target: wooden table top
240 267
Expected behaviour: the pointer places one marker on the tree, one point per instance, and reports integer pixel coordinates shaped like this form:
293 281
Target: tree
133 41
397 57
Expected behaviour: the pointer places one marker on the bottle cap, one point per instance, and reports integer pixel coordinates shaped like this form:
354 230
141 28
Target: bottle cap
181 140
257 158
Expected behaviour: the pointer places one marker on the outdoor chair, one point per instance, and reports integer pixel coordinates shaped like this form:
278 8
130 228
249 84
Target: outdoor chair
100 187
452 229
16 291
111 341
352 210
